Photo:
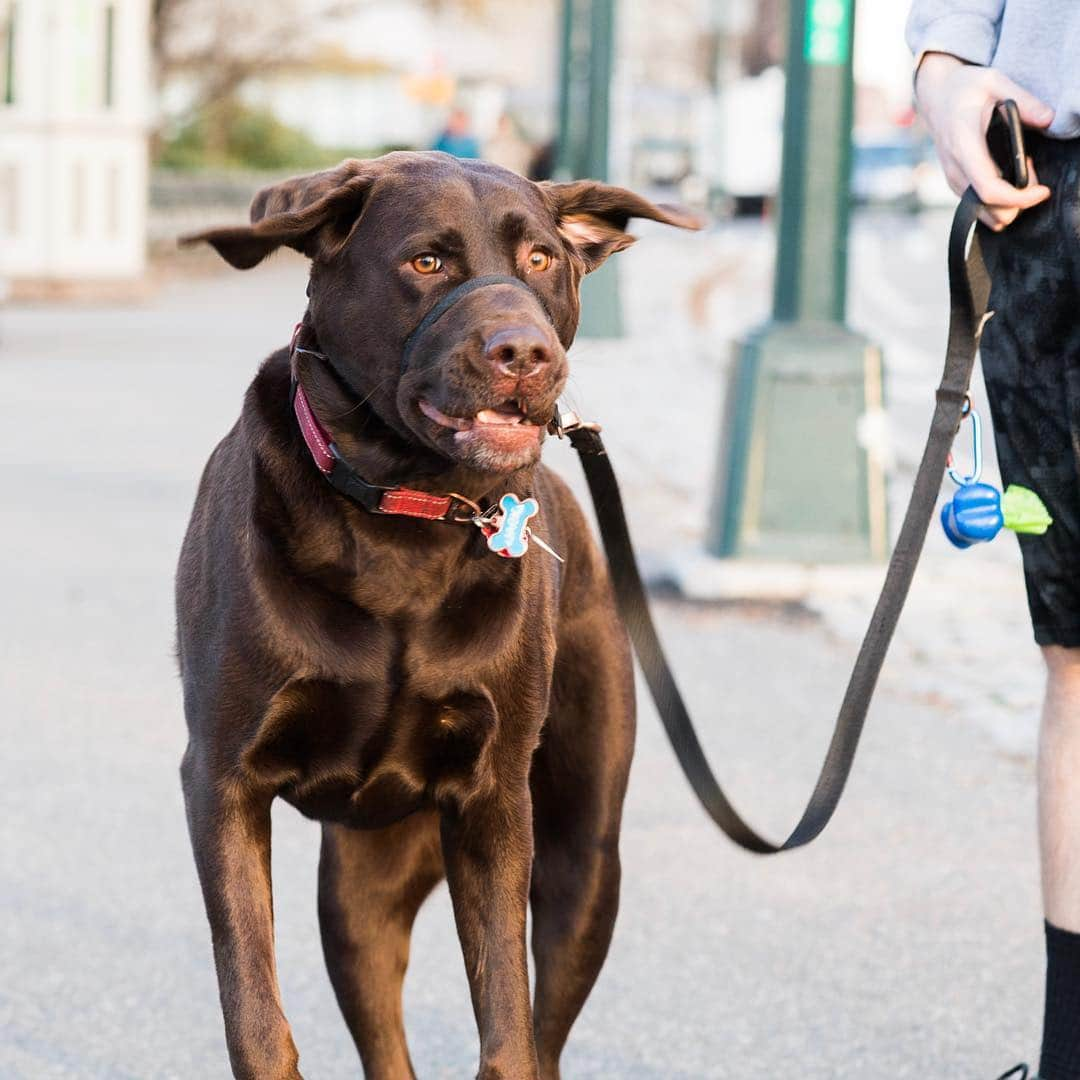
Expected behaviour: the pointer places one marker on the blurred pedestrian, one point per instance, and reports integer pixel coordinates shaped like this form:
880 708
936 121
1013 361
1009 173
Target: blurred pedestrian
542 163
457 137
971 54
508 147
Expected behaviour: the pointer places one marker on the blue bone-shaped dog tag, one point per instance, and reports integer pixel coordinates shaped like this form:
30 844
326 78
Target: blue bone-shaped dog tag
511 538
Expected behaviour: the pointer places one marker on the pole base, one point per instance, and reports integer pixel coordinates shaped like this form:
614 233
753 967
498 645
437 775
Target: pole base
793 483
601 304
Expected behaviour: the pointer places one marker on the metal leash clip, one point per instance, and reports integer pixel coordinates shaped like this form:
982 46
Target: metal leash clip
969 413
562 423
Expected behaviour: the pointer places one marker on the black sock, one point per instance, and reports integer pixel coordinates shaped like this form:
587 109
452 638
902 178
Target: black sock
1061 1026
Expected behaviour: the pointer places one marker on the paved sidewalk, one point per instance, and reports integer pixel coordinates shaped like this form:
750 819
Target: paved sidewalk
906 943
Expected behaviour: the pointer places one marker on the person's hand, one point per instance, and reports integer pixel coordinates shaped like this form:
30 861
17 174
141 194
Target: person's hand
957 101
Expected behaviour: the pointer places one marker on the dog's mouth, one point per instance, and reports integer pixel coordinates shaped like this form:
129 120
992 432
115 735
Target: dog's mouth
501 437
508 419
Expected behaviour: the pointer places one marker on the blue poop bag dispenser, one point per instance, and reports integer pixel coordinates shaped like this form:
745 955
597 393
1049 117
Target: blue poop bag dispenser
978 512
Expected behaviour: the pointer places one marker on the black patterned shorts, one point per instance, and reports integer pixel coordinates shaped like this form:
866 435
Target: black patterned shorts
1031 363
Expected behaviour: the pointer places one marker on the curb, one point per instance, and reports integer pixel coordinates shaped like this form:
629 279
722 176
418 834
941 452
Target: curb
696 575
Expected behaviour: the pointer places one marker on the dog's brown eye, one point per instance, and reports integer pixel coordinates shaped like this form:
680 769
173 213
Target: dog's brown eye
539 260
427 264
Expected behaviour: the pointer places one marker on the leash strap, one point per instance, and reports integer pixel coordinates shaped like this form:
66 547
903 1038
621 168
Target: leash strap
969 289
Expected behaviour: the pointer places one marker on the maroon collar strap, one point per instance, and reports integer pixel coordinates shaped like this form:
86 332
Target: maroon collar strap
379 500
315 435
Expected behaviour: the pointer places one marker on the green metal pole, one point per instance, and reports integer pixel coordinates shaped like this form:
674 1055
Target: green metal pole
585 67
564 142
792 480
811 275
601 59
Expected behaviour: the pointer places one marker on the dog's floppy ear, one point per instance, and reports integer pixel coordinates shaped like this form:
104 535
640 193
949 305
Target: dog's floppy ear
593 217
314 214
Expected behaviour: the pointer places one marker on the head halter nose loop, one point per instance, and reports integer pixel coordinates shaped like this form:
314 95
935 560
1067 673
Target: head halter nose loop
452 297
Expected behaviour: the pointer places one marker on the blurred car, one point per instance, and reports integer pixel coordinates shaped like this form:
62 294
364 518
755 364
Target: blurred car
898 169
660 162
931 188
884 171
745 153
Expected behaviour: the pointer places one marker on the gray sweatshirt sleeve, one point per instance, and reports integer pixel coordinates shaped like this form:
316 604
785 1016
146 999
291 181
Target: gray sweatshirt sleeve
967 29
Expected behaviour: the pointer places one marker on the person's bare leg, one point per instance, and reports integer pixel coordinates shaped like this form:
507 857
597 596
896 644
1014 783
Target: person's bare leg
1059 837
1059 789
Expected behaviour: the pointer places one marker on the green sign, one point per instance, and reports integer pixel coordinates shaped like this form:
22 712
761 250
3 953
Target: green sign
828 31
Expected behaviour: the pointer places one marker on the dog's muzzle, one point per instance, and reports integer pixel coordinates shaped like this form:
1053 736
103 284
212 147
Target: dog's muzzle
459 293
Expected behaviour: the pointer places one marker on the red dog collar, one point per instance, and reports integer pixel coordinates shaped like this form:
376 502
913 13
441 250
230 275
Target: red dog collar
377 499
505 525
373 497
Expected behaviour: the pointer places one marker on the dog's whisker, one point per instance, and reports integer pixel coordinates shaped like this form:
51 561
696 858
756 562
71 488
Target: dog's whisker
363 401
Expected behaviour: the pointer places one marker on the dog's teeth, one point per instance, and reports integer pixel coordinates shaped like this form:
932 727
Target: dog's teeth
493 416
432 413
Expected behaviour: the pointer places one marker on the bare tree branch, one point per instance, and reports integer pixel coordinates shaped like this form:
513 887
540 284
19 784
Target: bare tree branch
222 44
219 45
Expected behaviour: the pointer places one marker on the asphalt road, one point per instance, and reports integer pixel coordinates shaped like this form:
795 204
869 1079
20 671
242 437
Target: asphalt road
906 943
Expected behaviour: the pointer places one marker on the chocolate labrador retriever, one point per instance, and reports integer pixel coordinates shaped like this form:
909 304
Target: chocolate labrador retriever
366 630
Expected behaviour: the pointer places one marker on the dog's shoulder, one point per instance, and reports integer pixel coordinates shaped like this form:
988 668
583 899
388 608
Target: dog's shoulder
565 526
267 415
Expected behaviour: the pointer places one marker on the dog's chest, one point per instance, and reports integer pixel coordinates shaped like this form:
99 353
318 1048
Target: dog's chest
353 754
417 674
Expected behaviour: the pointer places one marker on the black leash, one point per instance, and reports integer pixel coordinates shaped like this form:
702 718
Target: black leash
969 288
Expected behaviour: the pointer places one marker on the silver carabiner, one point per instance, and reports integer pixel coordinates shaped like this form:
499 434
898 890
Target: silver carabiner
976 450
562 423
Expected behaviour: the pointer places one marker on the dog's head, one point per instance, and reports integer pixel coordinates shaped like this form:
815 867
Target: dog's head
390 239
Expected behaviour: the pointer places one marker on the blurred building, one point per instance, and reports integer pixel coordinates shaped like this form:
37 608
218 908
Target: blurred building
74 95
377 75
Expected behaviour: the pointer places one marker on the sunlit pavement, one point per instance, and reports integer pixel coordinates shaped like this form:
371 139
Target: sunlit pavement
906 943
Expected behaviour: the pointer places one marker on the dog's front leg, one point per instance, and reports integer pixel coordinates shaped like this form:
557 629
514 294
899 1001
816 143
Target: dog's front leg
487 848
230 832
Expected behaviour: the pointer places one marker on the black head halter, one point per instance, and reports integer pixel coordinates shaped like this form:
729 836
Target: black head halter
459 292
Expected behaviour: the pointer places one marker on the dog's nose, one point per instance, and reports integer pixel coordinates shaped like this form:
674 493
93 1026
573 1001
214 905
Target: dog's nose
519 350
